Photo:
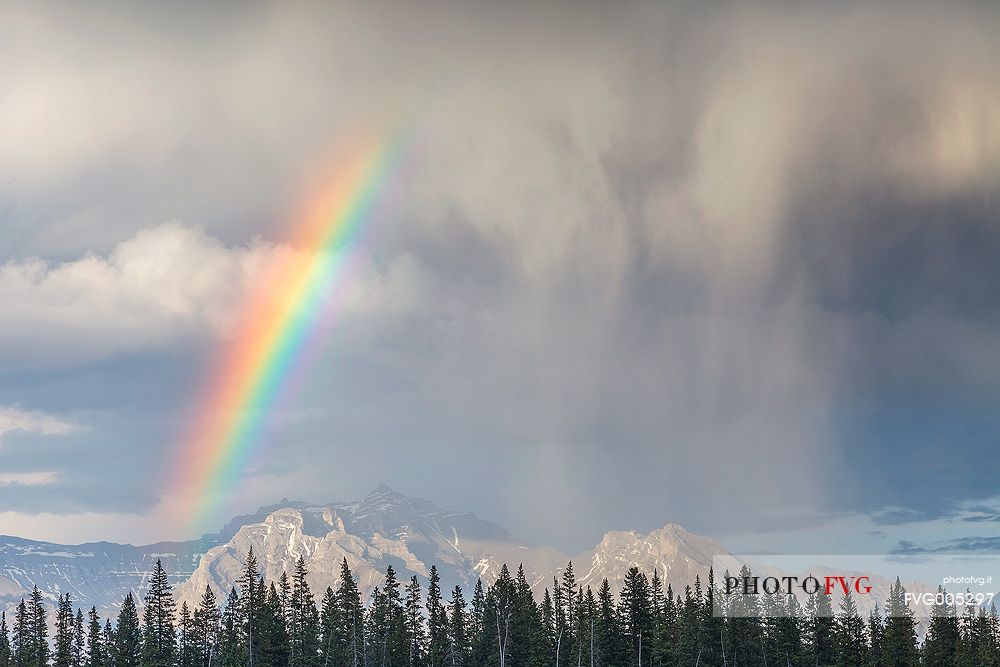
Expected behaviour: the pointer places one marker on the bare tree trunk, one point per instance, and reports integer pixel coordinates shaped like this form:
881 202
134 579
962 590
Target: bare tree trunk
502 637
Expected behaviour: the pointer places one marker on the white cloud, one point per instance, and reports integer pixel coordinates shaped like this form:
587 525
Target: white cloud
28 478
14 419
165 283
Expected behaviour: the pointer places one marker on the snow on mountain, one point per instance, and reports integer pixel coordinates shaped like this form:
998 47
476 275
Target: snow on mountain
675 553
383 528
98 574
387 528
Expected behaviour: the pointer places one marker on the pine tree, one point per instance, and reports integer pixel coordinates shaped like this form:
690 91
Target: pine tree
711 624
207 622
186 655
989 649
390 647
559 633
38 631
636 615
788 632
689 633
966 651
579 628
331 623
992 649
415 635
667 652
772 606
5 652
548 625
21 645
477 626
285 592
108 643
849 634
64 633
941 643
128 638
505 627
609 647
744 630
79 650
820 630
158 641
95 643
303 627
569 613
377 627
499 617
437 622
900 648
588 629
458 633
352 619
232 650
977 643
527 639
876 638
659 643
251 598
273 645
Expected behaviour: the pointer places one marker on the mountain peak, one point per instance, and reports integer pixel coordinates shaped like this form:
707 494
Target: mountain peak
384 489
674 529
386 509
384 497
383 527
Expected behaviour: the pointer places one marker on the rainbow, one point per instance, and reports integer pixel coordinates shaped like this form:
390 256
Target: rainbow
281 315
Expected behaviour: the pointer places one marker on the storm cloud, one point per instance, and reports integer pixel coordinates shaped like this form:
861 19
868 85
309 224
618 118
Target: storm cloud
648 262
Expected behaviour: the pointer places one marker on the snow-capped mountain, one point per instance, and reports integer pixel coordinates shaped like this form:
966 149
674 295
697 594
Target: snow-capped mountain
387 528
99 573
677 555
383 528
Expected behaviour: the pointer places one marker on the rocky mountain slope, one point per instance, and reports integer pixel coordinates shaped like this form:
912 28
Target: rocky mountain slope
383 528
99 573
388 528
678 556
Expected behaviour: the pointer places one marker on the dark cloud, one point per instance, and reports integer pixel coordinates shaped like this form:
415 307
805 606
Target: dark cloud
647 260
982 518
963 544
897 516
984 513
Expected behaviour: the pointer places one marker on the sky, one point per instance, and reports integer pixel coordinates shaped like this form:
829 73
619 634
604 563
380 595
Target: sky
731 266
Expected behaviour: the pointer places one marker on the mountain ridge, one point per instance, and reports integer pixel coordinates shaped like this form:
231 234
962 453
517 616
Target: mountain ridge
383 528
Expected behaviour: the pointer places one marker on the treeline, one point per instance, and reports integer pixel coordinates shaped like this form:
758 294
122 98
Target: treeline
278 624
